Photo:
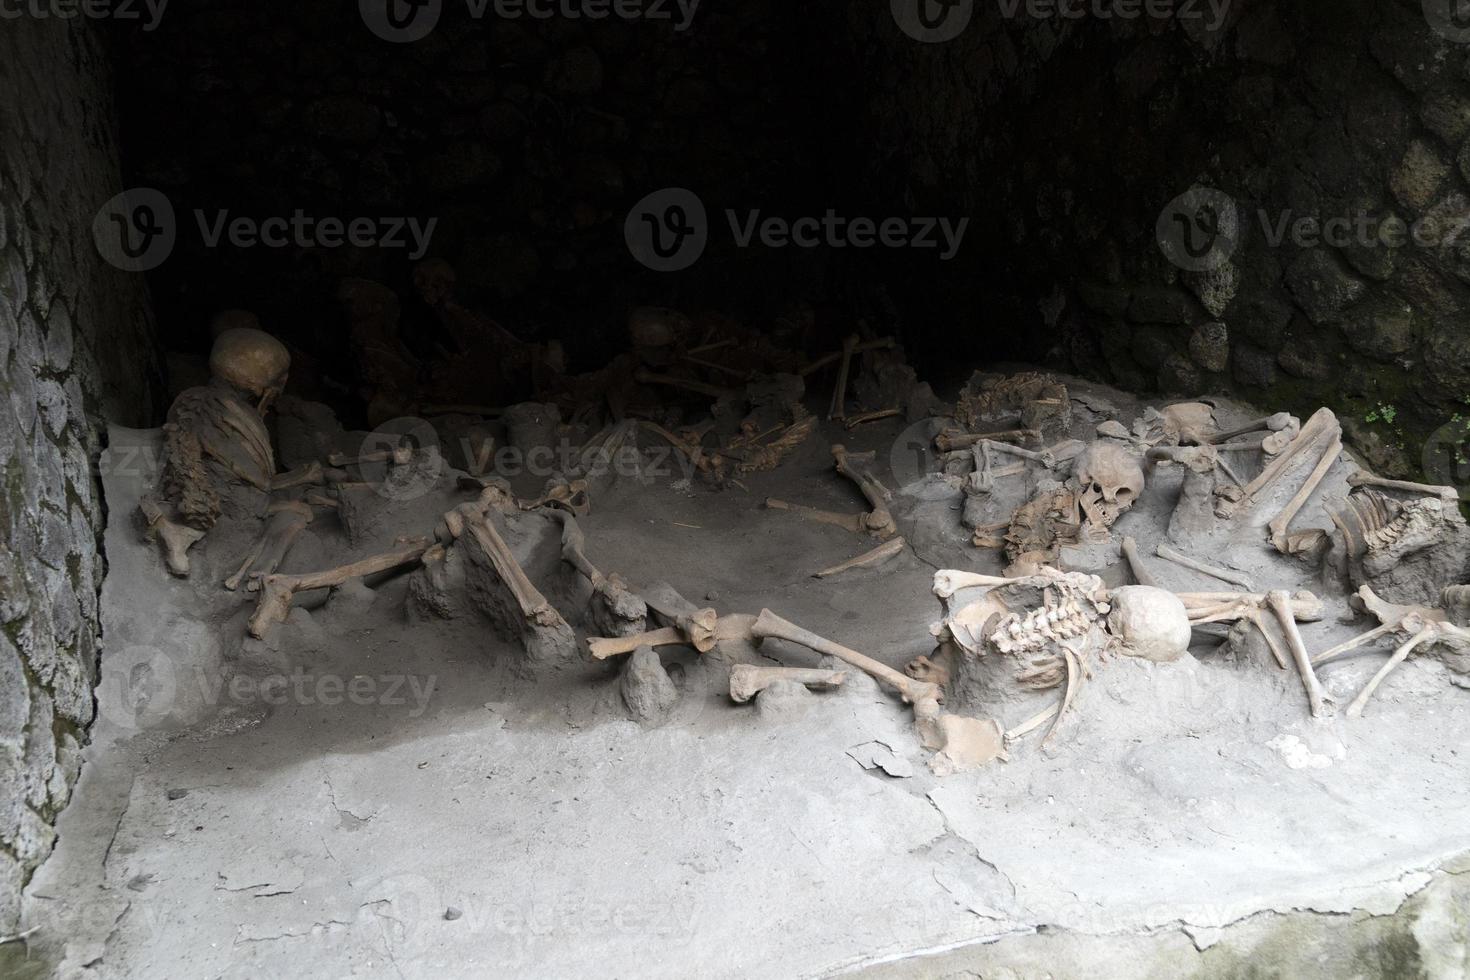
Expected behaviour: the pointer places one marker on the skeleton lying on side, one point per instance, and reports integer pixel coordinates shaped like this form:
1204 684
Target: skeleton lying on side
1044 631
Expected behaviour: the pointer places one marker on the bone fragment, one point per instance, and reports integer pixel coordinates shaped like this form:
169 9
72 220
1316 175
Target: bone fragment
1205 568
868 559
748 680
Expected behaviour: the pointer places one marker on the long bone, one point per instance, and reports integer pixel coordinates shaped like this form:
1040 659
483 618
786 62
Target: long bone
856 523
769 625
276 591
1141 574
612 590
838 407
1280 602
1393 619
952 440
867 559
1205 568
1428 632
877 416
748 680
1282 522
1361 479
698 626
731 627
535 609
1280 422
286 520
1321 425
854 466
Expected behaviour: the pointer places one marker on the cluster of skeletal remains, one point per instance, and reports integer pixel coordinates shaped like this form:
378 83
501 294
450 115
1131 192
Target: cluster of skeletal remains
1396 550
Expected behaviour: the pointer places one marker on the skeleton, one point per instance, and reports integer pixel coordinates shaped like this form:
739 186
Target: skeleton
218 457
1412 627
1041 632
1405 548
1039 401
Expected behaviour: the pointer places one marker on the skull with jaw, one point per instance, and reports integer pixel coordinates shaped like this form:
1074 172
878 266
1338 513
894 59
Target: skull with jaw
1109 483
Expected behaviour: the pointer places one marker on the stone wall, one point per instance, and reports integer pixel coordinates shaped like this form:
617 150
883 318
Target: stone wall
75 346
1067 140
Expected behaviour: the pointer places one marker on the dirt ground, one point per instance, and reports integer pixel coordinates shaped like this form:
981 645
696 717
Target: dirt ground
365 795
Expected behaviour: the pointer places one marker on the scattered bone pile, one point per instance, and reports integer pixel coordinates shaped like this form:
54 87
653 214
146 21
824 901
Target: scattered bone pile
1073 595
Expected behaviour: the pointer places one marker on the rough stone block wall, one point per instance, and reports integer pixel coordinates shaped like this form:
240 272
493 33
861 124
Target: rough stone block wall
1067 140
75 347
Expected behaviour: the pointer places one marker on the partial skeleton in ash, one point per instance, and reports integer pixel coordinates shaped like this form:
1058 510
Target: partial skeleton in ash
218 457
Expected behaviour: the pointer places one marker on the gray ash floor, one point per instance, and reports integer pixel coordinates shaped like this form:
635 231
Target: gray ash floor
490 826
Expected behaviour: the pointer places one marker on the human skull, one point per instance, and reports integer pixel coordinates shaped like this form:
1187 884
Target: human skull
654 326
252 361
434 280
1110 481
1149 623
